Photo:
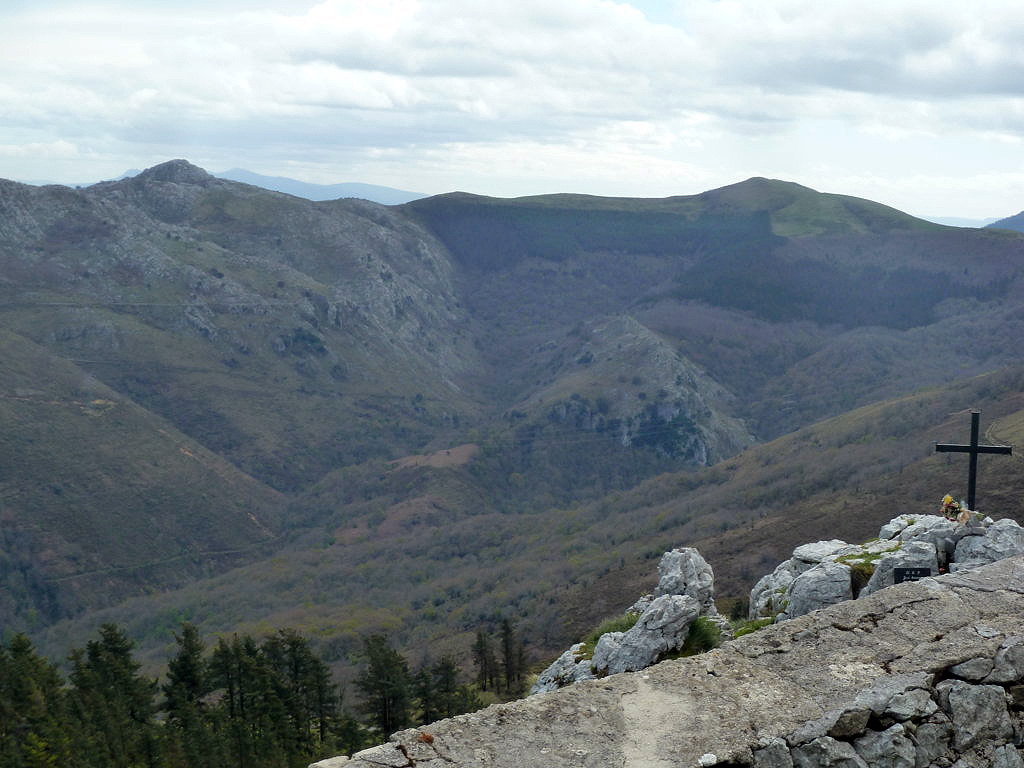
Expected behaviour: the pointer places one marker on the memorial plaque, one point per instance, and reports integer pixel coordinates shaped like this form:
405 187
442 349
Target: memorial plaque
899 575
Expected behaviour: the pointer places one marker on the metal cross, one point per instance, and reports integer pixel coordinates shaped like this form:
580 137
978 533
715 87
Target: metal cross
973 449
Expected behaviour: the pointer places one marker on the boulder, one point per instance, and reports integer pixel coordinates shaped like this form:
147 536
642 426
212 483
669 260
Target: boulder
1007 756
768 596
978 713
825 584
912 554
568 668
826 752
686 589
817 551
662 628
1008 666
814 577
1003 538
973 670
330 762
683 571
894 527
933 739
774 754
891 748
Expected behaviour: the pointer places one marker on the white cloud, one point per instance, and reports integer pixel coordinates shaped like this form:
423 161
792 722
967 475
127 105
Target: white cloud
54 149
586 90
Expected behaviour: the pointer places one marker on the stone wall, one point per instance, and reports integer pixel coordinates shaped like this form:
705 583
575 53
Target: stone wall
929 673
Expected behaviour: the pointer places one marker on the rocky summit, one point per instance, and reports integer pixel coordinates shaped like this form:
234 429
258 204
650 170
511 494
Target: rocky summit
827 572
926 673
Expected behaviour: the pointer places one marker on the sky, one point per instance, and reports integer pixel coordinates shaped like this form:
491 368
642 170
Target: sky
916 104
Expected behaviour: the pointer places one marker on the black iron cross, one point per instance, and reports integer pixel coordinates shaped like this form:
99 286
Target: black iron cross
973 449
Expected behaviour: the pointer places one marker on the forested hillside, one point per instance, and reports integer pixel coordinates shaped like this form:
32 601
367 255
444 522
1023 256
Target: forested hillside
245 410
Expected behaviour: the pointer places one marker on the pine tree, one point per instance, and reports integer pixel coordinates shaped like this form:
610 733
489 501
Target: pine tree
112 704
385 686
425 694
511 657
33 715
305 689
446 685
190 735
485 662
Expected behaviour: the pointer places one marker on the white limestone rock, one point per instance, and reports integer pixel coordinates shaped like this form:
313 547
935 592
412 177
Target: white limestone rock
771 593
895 526
912 554
937 530
663 627
641 605
1004 538
330 762
825 584
817 551
568 668
683 571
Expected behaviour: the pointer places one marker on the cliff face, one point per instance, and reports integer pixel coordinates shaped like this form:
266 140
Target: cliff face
925 673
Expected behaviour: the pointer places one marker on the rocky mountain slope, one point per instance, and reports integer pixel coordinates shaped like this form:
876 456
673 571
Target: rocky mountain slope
419 417
925 673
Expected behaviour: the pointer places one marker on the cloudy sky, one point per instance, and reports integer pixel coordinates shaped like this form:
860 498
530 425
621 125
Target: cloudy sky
914 103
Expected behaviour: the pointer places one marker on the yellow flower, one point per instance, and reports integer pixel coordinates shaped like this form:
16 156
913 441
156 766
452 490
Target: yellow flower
947 499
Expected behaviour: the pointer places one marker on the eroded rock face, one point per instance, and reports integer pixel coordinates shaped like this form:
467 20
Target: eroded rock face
812 578
868 682
1004 538
686 590
826 584
910 554
684 572
662 628
569 668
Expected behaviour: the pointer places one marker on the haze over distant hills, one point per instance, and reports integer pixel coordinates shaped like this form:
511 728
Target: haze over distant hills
959 221
378 194
1015 222
308 190
252 410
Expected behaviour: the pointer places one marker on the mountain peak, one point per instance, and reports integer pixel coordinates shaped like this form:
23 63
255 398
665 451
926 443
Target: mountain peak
178 171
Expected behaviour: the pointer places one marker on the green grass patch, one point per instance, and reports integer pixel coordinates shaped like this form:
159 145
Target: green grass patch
703 636
746 627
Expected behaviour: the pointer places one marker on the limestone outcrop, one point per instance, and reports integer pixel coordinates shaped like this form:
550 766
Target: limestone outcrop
924 674
828 572
685 591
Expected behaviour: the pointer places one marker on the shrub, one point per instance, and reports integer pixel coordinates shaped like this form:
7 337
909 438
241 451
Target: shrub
703 636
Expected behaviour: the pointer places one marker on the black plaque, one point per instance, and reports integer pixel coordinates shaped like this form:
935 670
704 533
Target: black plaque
899 575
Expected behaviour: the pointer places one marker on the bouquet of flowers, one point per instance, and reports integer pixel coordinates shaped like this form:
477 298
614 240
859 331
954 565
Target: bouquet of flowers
954 510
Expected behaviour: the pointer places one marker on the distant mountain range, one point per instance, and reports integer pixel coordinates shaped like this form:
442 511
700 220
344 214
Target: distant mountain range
959 221
372 192
377 194
1015 222
252 410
